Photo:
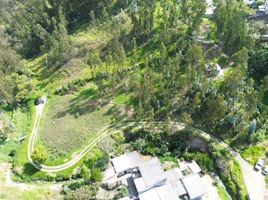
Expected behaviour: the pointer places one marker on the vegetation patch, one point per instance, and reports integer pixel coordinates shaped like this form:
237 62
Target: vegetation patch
72 121
251 154
223 193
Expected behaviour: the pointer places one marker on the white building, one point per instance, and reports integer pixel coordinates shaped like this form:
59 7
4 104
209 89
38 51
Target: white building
126 163
194 186
150 182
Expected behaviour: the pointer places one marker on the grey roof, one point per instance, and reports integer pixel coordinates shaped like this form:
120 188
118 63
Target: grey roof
134 158
126 161
173 174
173 179
194 167
164 192
140 185
194 186
121 163
152 172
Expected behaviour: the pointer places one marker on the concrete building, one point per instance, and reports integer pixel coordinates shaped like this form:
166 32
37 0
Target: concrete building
126 163
194 186
194 167
164 192
146 179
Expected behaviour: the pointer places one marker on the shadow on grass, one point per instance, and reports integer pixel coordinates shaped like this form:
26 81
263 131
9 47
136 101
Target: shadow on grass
86 102
240 142
29 170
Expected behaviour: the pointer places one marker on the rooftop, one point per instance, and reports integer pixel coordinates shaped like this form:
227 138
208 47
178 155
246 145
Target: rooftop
164 192
152 172
173 179
194 186
194 167
126 161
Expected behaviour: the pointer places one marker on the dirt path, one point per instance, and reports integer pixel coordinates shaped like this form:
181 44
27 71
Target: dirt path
254 181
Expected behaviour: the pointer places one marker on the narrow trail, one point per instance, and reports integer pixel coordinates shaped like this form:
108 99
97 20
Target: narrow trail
254 181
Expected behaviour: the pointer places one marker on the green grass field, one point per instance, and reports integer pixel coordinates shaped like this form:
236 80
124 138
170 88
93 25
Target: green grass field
72 121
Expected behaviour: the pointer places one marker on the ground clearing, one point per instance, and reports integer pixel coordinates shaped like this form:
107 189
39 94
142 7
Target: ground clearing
72 121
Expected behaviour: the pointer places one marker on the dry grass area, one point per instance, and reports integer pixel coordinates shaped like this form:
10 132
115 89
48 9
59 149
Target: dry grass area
72 121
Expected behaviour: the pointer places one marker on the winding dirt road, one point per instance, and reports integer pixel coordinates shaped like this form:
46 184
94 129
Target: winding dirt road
254 181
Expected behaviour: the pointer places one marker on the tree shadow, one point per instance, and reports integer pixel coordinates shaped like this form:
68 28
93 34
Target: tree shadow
86 102
29 169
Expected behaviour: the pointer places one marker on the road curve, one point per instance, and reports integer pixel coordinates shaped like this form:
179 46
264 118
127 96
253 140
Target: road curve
254 181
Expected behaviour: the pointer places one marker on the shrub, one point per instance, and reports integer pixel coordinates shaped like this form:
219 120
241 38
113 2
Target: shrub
39 155
82 193
96 175
230 172
251 154
203 159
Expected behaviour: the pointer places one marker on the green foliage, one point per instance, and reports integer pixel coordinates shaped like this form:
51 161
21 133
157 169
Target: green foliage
96 175
231 26
120 193
251 154
258 62
39 154
203 159
230 172
82 193
223 193
85 173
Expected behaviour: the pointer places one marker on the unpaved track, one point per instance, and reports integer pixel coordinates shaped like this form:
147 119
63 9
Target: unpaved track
254 181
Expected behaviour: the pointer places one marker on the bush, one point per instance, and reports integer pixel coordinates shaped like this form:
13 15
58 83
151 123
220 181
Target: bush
75 185
120 193
251 154
82 193
39 155
203 159
230 172
96 175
